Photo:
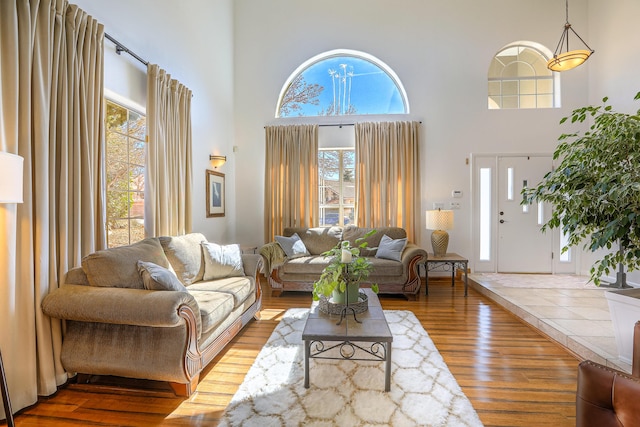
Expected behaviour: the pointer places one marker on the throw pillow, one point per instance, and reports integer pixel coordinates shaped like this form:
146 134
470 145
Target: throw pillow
222 261
185 255
292 246
118 268
391 248
157 278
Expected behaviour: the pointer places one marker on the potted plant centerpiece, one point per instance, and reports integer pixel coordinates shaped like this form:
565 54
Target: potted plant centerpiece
595 194
341 278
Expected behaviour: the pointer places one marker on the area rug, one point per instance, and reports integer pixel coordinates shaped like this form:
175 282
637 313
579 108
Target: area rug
350 393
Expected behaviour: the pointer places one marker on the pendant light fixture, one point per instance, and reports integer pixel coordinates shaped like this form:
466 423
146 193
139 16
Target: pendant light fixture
570 58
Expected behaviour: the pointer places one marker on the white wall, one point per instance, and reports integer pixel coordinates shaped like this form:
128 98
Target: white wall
441 51
193 41
236 55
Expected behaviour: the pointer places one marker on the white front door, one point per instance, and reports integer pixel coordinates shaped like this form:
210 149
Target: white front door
521 246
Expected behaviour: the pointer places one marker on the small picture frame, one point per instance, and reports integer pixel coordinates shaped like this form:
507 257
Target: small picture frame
215 194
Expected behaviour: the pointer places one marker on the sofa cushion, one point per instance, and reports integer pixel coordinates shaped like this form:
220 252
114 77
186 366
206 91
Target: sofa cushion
214 307
240 288
292 246
391 248
118 267
353 232
385 268
313 264
221 261
317 240
185 255
156 278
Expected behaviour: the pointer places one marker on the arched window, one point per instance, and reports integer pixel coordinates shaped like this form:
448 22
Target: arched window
519 78
342 82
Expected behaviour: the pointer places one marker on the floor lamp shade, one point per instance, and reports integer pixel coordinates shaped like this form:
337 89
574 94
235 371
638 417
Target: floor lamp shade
10 192
439 221
10 178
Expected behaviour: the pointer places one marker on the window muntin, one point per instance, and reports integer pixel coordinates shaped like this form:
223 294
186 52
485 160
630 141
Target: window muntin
342 82
519 78
336 177
125 160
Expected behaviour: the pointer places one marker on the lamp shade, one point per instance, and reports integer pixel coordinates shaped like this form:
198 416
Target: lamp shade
10 178
568 60
439 220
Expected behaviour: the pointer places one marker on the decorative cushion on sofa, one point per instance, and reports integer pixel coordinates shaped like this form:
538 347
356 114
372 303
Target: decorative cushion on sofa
118 267
214 307
222 261
317 240
185 255
353 232
156 278
240 288
292 246
391 248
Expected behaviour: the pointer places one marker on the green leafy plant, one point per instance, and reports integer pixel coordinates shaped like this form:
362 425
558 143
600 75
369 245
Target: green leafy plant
595 190
337 275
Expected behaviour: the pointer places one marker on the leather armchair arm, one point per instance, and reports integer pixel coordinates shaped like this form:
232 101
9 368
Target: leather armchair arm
606 397
123 306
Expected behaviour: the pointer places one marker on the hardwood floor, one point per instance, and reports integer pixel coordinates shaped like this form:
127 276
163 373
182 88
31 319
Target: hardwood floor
513 375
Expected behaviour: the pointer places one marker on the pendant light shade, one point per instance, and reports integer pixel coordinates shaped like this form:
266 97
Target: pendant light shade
563 61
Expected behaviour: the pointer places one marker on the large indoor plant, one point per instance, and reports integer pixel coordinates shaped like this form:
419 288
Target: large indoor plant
595 193
344 272
595 190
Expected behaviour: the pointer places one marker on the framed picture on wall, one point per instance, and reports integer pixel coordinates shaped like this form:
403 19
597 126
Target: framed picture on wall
215 194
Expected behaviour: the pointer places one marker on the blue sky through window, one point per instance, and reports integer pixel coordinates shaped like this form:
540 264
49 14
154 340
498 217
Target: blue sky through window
350 85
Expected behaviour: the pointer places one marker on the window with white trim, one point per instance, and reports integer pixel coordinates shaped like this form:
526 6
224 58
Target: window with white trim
342 82
519 78
125 167
336 177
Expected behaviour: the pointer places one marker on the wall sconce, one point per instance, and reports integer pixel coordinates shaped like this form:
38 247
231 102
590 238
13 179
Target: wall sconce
217 160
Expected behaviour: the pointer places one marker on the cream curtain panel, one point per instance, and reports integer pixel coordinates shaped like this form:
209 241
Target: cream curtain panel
388 175
291 178
168 180
51 91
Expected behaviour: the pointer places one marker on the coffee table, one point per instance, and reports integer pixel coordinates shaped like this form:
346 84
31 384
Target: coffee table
369 340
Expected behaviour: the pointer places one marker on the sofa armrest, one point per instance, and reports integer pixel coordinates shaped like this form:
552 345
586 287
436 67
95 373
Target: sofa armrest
123 306
412 251
273 255
605 396
251 264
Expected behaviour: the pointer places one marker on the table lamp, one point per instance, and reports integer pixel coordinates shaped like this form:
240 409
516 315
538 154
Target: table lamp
10 192
439 221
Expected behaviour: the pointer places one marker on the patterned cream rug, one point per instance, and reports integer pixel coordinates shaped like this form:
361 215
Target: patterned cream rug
350 393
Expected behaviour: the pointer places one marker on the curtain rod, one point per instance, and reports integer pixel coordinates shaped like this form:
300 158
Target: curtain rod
341 124
122 48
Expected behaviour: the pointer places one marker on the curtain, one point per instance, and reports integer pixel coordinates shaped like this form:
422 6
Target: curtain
388 175
168 180
51 90
291 178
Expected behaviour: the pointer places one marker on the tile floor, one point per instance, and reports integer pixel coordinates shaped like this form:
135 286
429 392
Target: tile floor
567 308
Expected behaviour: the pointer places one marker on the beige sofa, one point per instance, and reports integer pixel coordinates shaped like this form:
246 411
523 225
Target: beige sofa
299 273
118 322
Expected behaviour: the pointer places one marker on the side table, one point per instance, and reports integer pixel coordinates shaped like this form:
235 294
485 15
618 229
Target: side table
450 260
